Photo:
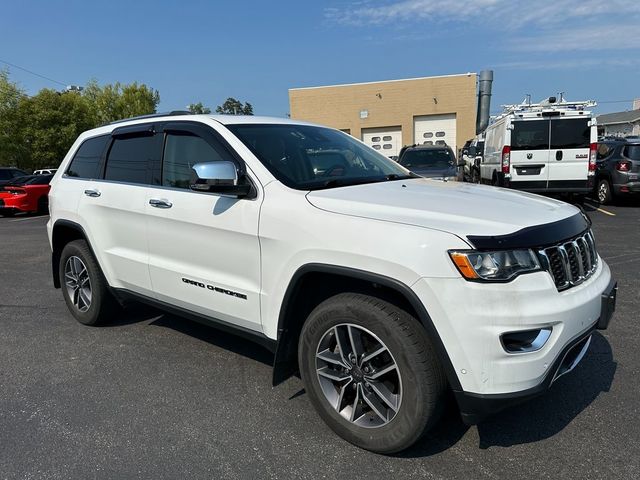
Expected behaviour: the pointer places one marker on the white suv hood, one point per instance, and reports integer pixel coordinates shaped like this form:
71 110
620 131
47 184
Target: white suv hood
455 207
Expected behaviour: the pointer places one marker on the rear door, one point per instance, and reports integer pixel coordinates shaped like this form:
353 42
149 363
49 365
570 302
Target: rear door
530 153
114 207
569 154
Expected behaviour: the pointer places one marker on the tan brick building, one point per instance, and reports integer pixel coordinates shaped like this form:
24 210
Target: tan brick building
390 114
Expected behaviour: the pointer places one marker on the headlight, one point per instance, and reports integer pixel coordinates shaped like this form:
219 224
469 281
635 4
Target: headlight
494 266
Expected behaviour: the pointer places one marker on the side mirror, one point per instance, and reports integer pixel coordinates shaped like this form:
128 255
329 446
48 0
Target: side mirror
218 177
465 151
471 151
462 163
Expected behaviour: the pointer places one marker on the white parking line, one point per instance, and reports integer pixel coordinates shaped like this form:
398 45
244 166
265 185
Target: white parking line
29 218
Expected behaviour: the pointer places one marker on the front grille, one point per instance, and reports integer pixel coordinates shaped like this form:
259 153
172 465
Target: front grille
570 263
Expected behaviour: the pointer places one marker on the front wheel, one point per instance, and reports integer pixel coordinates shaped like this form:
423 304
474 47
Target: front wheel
371 372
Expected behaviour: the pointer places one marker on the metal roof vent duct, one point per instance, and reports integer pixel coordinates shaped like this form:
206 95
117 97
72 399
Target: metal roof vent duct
484 100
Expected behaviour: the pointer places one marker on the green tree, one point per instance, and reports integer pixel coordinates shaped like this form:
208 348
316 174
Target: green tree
10 96
231 106
48 124
117 101
198 108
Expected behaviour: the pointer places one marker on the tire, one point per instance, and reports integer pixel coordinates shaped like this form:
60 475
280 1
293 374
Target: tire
604 193
414 388
475 176
84 287
8 213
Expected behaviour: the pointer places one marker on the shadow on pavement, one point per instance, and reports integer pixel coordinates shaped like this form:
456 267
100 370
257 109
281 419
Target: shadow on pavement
536 420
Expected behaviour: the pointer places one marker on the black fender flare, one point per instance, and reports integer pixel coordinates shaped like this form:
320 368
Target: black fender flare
55 251
282 368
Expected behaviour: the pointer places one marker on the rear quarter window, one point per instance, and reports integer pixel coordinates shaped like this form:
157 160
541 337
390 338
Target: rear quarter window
86 161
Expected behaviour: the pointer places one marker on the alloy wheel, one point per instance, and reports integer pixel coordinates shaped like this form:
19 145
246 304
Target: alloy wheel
78 283
603 192
358 375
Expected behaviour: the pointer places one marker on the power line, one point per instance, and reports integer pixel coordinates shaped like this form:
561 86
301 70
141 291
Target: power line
33 73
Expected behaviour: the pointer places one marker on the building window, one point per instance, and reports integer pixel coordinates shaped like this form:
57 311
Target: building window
377 147
386 138
387 146
441 142
375 139
428 142
428 134
440 134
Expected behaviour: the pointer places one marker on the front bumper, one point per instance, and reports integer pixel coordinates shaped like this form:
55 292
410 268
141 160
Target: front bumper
471 318
475 407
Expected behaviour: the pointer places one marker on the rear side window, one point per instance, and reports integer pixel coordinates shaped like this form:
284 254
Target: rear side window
86 161
181 153
570 133
5 174
530 135
632 152
133 159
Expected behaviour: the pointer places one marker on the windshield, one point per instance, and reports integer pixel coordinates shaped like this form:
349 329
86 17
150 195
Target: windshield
427 159
308 158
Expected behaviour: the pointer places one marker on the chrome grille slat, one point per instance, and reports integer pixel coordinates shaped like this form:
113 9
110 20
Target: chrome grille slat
570 263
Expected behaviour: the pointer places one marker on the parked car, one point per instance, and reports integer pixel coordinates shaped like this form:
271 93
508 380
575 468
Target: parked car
548 147
45 171
430 161
7 174
383 289
617 169
25 194
471 158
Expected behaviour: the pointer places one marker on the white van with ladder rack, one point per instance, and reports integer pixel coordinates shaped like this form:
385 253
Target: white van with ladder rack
547 147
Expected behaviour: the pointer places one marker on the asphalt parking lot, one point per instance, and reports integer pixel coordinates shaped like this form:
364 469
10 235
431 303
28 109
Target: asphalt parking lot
156 396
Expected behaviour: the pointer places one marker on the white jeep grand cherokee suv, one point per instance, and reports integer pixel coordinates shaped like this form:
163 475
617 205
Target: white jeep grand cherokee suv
382 289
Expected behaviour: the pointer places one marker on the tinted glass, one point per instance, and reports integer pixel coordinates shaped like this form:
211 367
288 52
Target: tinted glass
132 159
181 152
5 174
530 135
632 152
290 153
431 159
604 151
574 133
86 161
39 180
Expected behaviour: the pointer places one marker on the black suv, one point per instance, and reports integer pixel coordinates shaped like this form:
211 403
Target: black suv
617 169
7 174
431 161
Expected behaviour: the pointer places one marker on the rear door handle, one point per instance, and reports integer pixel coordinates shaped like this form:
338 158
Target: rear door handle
92 193
160 203
559 155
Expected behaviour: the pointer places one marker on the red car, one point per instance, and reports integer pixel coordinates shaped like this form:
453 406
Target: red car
25 194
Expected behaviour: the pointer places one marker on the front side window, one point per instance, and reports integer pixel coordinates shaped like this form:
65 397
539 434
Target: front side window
132 159
292 153
86 161
181 153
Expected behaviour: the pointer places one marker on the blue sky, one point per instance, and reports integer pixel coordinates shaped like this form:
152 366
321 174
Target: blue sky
255 50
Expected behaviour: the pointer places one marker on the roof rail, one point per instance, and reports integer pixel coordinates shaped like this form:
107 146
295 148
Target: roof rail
153 115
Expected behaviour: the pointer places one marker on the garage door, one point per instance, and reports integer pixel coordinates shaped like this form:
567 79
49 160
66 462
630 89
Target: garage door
435 130
387 140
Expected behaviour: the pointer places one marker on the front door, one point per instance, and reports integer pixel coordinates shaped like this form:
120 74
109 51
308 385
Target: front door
530 153
204 253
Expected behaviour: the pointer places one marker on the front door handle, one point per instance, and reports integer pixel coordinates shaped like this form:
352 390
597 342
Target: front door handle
559 155
160 203
92 193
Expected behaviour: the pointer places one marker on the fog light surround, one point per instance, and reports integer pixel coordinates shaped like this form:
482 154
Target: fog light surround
525 341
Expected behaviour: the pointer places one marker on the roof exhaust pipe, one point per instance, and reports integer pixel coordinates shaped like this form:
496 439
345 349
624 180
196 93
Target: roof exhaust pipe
484 100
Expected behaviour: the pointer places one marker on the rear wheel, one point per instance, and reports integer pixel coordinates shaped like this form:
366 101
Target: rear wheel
605 195
475 176
371 372
83 285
